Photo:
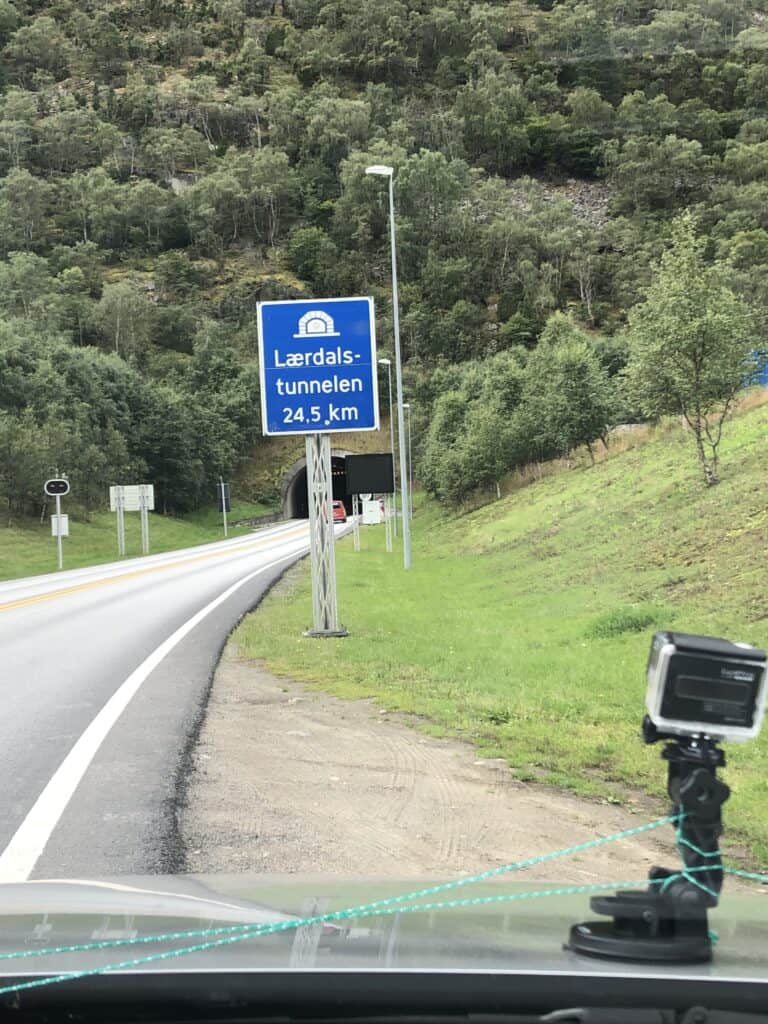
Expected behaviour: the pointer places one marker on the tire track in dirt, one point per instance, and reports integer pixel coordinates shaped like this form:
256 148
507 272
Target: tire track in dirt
287 779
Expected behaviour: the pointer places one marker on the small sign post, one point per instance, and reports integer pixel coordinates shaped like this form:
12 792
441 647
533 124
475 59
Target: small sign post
55 488
146 502
117 504
121 522
132 498
225 504
356 520
317 362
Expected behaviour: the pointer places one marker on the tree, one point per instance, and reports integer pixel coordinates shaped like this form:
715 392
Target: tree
9 19
567 398
148 209
333 125
24 202
691 344
589 110
138 102
638 115
123 316
267 189
25 459
471 440
652 174
74 302
74 138
18 114
168 152
442 466
493 110
86 256
429 187
108 48
25 285
40 44
214 208
312 255
93 206
60 405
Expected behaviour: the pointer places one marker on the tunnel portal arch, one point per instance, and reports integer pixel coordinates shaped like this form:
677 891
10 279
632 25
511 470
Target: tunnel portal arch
295 497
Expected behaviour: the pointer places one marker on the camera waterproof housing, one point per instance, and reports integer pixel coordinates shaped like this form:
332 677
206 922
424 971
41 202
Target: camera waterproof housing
702 685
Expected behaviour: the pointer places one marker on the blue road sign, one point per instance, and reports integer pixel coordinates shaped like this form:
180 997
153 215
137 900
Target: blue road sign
318 366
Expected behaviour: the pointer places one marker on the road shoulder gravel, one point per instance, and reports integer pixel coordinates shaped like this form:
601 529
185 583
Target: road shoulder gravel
286 779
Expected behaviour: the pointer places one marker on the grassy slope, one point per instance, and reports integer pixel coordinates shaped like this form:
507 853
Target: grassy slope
514 627
28 548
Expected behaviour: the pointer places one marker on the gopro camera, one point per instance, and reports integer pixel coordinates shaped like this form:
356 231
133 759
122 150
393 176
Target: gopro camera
701 685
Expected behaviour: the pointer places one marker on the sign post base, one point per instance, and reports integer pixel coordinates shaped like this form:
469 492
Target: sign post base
326 632
356 520
325 611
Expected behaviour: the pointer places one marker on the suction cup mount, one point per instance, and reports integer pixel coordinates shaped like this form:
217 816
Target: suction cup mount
667 922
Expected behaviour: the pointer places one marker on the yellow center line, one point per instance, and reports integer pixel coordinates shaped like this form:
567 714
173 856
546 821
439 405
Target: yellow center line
50 595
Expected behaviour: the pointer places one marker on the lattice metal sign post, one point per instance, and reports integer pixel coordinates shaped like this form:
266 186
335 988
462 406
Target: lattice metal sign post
318 367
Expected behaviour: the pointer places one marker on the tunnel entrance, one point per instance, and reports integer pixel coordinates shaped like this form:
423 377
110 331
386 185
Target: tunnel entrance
295 493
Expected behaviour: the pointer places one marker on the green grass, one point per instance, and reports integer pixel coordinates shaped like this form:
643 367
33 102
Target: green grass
27 547
524 627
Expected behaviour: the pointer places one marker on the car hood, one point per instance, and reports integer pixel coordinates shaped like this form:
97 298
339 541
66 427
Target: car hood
527 932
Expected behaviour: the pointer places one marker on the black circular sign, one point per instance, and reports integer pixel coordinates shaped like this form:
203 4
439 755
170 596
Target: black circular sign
54 487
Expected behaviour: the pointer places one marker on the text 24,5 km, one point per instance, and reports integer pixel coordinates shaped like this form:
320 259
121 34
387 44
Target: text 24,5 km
314 414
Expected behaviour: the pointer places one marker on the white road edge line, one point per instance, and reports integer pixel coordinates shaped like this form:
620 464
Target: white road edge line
23 851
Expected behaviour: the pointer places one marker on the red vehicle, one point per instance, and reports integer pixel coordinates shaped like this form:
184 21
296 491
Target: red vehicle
339 512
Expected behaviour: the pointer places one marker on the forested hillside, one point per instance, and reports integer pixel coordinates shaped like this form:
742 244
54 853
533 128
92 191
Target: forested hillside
166 164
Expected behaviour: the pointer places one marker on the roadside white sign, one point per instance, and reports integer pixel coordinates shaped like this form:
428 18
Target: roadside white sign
60 526
373 512
132 495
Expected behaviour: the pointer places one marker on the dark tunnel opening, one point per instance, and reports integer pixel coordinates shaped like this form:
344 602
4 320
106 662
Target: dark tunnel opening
296 504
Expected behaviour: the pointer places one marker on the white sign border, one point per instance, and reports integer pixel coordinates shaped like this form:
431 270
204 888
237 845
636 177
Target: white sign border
262 367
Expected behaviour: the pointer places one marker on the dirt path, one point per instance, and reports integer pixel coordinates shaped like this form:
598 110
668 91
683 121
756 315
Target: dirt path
287 779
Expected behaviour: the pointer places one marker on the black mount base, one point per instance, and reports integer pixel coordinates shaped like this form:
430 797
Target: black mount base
645 929
668 921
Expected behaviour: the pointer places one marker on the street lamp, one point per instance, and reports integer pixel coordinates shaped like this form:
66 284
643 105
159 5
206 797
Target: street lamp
387 172
388 364
410 460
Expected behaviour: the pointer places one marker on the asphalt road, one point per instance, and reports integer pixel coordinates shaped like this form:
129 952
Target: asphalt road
104 677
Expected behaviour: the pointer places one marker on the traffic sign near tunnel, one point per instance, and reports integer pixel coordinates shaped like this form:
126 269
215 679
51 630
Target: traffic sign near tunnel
318 366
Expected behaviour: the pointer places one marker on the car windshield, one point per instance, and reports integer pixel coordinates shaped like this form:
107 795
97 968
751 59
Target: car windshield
379 383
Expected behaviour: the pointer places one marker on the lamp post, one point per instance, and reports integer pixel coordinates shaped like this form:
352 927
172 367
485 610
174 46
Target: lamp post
410 464
387 172
388 364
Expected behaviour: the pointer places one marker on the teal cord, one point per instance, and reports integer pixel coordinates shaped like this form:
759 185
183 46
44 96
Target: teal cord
687 872
519 865
338 915
753 876
378 908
